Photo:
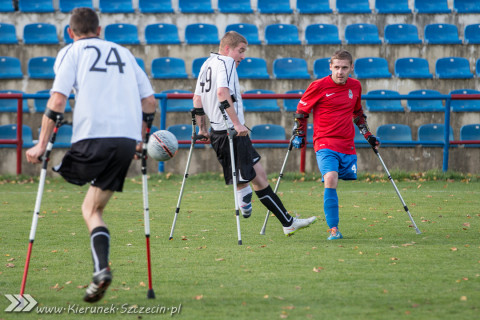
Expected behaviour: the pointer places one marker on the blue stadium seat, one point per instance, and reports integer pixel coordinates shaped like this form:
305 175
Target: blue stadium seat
184 132
362 33
260 105
249 31
280 33
472 34
39 104
116 6
453 68
433 132
8 34
6 6
161 33
168 68
10 105
197 65
155 6
401 33
9 131
64 136
40 33
466 6
68 5
122 33
383 105
425 105
141 63
392 6
371 68
10 68
36 6
178 105
394 132
290 68
465 105
470 132
321 68
441 33
276 6
201 33
359 139
66 36
195 6
412 68
310 7
290 105
349 6
237 6
268 132
321 33
477 67
41 67
253 68
431 6
309 133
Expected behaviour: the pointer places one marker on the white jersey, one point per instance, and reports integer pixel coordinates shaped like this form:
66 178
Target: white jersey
109 86
219 71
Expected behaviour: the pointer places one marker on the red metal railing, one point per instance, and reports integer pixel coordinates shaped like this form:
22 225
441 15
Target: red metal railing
18 141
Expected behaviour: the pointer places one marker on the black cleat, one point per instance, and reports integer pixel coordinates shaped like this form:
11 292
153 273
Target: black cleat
96 289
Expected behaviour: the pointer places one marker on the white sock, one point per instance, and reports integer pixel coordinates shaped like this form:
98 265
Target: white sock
244 196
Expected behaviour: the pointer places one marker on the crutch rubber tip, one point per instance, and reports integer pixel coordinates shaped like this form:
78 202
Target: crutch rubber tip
262 233
150 294
239 242
170 238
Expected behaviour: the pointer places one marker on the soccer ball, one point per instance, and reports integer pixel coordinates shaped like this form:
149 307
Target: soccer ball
162 145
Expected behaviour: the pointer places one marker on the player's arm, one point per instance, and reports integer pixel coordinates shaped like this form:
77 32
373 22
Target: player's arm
149 106
301 116
200 117
360 119
55 106
223 94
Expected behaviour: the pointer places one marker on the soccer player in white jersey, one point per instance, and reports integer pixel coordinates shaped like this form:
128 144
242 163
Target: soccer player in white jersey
113 96
218 84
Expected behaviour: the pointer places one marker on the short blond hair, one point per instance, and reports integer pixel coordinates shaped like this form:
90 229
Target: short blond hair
231 39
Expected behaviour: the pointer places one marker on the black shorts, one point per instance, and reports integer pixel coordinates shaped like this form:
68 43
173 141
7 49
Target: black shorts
245 156
103 162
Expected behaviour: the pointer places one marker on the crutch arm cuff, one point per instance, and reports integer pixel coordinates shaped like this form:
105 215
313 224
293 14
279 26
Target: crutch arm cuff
53 115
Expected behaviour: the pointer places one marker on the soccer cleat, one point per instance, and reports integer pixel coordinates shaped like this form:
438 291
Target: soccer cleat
96 290
334 234
298 224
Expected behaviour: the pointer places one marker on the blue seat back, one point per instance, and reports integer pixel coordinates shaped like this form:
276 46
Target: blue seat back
394 132
310 7
122 33
155 6
453 68
68 5
9 131
431 6
321 33
277 6
260 105
10 105
412 67
141 63
40 33
465 105
40 104
441 33
268 132
466 6
321 68
432 132
41 68
472 34
201 33
161 33
10 68
290 105
237 6
401 33
184 132
371 67
383 105
41 6
197 66
195 6
253 68
425 105
116 6
362 33
8 34
179 105
64 136
249 31
66 36
168 68
290 68
470 132
392 6
6 6
280 34
349 6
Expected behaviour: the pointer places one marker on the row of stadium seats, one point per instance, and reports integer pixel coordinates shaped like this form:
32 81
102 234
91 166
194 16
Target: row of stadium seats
432 132
283 68
275 34
290 105
245 6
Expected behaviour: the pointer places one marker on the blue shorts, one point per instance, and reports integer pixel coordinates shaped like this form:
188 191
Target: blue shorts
344 164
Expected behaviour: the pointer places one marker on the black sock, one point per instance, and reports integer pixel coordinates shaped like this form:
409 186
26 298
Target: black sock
273 203
100 243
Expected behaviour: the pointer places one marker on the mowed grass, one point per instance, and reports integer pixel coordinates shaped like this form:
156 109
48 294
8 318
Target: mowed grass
381 270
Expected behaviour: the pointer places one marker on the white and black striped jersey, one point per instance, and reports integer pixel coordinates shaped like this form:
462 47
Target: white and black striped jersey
109 85
219 71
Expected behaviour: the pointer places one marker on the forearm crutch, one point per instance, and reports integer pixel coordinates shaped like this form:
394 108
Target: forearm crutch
146 215
38 201
290 146
396 189
230 133
195 137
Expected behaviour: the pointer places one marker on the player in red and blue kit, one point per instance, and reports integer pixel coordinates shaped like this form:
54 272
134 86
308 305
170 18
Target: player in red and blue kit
334 101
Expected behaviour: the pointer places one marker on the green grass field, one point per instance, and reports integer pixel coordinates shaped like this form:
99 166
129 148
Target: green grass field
381 270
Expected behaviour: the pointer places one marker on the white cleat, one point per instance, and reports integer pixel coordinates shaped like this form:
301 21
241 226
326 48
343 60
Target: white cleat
298 224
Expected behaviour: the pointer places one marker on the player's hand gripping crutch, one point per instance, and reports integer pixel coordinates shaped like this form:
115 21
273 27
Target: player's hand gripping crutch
396 189
148 118
262 232
231 133
195 137
38 201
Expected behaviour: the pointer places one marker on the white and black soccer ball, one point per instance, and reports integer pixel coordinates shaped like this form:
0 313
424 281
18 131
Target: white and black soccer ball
162 145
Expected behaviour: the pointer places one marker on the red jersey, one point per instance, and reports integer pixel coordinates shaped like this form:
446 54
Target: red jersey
333 107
